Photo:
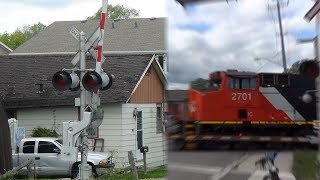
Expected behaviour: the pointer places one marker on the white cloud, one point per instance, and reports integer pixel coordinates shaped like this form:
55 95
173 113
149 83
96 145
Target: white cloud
241 31
16 14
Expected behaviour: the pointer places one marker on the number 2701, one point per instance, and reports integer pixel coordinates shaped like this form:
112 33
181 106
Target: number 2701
241 96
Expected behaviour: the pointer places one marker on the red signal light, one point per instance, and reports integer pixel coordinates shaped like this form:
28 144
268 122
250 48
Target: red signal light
92 81
62 81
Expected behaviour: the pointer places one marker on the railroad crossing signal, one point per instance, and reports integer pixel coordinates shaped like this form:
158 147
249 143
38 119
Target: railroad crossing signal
91 81
88 45
313 11
63 80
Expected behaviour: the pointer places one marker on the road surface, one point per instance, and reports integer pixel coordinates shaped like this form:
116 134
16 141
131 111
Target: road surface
228 165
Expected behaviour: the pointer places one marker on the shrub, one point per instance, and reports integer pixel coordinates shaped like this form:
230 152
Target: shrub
44 132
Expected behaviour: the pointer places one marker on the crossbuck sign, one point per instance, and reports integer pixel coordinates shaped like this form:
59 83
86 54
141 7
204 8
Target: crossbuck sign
88 46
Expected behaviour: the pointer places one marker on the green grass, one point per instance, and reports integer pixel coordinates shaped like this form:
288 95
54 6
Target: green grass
120 174
155 173
306 165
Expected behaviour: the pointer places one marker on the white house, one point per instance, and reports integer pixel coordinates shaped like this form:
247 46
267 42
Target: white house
132 106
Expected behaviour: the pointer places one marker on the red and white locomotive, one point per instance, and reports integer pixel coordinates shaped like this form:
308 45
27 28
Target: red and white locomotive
253 104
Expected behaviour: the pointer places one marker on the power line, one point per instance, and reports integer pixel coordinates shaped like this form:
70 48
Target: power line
270 14
284 61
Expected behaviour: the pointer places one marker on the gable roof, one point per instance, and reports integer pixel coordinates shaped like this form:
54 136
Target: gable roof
127 35
154 63
18 87
4 47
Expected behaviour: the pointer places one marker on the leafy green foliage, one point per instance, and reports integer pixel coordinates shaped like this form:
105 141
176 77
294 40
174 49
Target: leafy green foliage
7 175
117 12
199 83
21 35
44 132
306 165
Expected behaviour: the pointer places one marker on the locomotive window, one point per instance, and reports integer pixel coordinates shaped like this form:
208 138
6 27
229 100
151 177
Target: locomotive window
253 83
245 84
242 83
230 83
236 84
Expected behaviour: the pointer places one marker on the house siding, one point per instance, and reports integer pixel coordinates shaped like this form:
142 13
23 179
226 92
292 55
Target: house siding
156 142
51 117
150 89
111 131
118 129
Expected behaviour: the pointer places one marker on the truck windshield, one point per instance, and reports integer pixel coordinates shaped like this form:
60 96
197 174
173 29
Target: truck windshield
59 142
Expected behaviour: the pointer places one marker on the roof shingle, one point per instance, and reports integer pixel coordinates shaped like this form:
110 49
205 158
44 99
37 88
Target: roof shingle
20 74
123 35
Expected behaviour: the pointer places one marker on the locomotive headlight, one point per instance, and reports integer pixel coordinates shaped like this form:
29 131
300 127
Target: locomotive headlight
307 98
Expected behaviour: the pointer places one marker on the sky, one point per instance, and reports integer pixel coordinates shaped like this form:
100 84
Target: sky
17 13
201 38
218 36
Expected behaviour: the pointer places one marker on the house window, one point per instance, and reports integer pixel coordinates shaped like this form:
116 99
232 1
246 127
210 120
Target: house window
139 130
159 118
28 147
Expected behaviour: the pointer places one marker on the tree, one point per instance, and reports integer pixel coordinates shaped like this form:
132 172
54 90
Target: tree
117 12
21 35
199 84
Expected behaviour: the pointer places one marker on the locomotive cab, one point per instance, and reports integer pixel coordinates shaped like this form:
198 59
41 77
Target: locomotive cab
250 97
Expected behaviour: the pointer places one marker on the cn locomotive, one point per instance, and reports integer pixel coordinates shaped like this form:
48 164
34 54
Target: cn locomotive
245 106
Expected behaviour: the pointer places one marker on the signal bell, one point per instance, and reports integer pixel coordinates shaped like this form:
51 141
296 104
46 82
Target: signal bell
92 81
63 80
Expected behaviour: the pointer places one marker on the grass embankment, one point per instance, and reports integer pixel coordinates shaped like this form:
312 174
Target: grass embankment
120 174
306 165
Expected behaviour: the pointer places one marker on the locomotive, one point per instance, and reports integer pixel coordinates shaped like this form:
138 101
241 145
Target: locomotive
245 106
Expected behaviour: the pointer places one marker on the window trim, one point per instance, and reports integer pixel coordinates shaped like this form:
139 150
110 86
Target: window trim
159 124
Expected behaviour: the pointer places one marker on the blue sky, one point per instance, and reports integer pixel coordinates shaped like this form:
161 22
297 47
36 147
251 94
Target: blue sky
198 27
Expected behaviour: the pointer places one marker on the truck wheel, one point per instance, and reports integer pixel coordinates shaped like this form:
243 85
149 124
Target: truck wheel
75 170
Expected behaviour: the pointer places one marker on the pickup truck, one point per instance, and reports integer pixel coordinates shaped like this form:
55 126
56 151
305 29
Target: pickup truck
46 154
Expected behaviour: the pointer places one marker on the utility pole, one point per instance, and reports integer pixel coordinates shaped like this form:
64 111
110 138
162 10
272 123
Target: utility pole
283 51
75 136
84 167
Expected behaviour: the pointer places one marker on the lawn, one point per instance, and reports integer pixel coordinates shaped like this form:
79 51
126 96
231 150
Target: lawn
118 174
306 165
